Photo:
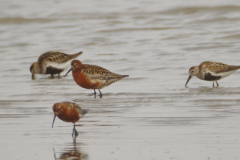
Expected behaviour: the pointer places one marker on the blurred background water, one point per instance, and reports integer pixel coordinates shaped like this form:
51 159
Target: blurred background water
150 115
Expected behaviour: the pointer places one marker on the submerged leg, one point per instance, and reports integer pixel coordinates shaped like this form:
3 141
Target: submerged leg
51 75
33 77
100 93
213 84
95 93
75 133
54 154
217 84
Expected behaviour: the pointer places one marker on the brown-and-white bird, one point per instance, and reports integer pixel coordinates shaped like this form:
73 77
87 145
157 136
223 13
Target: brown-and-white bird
52 63
211 71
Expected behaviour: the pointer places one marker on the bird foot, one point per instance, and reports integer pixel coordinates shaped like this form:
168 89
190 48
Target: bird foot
75 133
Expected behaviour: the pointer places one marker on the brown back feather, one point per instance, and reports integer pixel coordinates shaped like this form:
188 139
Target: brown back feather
97 72
57 57
219 67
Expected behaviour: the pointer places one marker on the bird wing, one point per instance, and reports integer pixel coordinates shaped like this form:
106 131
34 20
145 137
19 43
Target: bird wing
217 67
96 72
55 60
53 56
57 57
77 107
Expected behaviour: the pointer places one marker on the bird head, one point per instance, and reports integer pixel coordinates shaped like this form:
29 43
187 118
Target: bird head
75 65
193 71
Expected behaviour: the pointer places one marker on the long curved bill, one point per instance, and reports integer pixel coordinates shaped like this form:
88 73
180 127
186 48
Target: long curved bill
188 80
53 119
68 71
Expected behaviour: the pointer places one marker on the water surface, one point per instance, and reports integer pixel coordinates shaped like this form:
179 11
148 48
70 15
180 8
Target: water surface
150 115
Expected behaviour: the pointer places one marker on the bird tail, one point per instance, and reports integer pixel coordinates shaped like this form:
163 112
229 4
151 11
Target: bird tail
79 53
125 75
75 55
85 111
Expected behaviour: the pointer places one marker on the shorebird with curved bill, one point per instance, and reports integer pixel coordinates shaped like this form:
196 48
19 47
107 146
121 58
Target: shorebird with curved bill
211 71
68 112
93 77
52 63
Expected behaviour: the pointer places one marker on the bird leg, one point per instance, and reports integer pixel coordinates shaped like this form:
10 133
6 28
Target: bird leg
217 84
33 77
54 154
100 93
95 93
213 84
75 133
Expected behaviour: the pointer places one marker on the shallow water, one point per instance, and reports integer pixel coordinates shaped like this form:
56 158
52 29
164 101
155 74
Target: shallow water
150 115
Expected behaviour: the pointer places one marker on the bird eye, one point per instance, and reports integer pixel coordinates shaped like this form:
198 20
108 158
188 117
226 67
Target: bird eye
76 64
191 71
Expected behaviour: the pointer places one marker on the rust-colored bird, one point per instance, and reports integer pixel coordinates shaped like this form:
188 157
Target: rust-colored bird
68 112
93 77
52 63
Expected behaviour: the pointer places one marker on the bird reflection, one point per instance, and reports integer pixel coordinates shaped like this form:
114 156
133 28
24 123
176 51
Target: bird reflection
72 153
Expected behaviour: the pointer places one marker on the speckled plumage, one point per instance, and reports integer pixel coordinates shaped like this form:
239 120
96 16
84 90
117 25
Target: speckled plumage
52 63
104 76
211 71
68 112
92 76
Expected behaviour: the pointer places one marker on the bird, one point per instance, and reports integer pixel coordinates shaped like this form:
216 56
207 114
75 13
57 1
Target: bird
92 76
211 71
68 112
52 62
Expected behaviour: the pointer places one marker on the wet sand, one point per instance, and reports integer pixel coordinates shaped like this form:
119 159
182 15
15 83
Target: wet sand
150 115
